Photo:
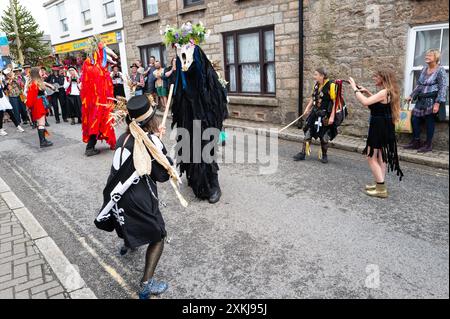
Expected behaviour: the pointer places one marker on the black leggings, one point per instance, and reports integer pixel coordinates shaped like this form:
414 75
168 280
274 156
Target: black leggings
11 115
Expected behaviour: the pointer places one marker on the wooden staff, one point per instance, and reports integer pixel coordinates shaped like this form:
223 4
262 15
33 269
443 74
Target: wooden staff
166 112
288 126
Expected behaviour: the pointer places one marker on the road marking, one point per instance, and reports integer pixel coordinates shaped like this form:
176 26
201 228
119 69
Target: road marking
109 269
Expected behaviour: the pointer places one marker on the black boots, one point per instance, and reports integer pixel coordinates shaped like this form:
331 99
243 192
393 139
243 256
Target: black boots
413 145
42 140
302 155
90 147
324 146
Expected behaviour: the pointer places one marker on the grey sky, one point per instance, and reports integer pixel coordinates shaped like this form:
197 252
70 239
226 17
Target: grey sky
36 9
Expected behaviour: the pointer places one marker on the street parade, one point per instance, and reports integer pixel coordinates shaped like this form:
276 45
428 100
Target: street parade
223 150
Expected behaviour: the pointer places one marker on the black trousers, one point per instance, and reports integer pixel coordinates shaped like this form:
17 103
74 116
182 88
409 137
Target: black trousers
11 115
62 98
54 102
74 106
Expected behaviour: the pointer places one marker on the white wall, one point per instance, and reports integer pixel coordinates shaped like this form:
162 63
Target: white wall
77 30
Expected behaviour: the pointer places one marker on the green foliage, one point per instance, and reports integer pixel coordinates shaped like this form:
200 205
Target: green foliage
188 33
33 49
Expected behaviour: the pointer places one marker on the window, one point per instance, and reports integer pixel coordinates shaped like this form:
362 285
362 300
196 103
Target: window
188 3
157 50
250 61
108 7
85 12
150 7
420 40
62 17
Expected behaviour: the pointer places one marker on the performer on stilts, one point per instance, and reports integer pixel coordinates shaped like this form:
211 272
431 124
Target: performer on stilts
96 91
131 201
324 113
200 103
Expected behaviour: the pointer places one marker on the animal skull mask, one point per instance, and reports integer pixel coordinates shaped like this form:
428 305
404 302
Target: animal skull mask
186 55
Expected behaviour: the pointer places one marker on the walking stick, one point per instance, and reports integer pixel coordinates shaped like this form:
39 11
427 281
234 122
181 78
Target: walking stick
288 126
166 112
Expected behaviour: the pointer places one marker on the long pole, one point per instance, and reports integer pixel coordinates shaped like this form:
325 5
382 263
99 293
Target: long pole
16 31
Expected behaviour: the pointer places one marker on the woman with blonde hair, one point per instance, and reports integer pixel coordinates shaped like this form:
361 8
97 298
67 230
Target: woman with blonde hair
381 147
430 95
38 104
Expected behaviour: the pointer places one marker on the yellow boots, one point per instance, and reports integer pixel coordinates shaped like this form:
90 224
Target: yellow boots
377 190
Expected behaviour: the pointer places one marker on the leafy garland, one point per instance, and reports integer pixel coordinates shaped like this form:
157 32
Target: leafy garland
188 33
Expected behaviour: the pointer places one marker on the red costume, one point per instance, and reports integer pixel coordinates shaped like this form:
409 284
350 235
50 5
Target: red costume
35 101
96 88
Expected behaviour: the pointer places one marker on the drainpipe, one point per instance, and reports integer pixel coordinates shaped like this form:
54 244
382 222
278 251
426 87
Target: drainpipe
301 63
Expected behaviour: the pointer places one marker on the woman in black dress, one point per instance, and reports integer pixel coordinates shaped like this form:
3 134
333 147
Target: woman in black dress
133 212
381 148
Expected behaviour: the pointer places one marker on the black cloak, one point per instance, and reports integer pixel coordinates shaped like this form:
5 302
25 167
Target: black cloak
199 95
137 218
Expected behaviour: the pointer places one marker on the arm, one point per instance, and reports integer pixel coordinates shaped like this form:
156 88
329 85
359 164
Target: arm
308 107
32 95
442 85
416 90
66 83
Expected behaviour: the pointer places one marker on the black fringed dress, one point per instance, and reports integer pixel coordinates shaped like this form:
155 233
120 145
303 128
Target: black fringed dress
382 136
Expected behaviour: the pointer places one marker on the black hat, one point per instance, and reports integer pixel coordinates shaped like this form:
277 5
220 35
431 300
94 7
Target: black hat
27 66
138 106
134 65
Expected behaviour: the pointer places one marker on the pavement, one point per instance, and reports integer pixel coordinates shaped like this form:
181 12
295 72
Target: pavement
437 158
304 230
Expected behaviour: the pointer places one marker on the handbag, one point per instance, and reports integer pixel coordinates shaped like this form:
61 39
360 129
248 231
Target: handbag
404 124
441 115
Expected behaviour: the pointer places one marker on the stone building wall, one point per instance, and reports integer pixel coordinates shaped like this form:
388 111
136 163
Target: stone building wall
346 37
335 35
224 16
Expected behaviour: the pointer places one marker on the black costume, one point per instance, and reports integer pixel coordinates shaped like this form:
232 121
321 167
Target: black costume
136 218
382 136
58 95
327 103
199 96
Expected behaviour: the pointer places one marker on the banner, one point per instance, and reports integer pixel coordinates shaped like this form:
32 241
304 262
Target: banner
80 45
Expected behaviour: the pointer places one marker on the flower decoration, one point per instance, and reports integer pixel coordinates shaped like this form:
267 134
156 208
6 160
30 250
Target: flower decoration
188 34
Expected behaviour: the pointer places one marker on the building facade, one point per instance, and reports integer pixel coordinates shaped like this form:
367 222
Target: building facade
72 22
269 48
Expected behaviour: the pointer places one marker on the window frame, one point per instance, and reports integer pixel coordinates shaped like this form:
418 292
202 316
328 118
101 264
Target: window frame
83 18
238 65
144 9
410 52
189 5
104 6
62 18
144 58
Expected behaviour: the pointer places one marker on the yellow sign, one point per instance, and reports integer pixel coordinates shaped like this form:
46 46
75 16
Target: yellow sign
80 45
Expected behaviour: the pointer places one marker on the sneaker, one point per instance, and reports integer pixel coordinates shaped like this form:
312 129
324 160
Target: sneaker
3 132
152 287
20 129
91 152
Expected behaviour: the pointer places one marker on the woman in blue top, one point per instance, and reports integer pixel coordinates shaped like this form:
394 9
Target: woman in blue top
429 93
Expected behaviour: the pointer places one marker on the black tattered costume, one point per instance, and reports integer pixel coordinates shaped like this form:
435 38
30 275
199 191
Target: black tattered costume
199 96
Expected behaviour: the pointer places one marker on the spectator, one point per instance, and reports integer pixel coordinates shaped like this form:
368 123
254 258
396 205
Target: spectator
5 106
117 79
136 81
160 84
429 94
15 90
150 87
72 87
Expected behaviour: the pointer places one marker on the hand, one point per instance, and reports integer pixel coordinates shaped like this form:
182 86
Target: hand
362 89
161 131
436 108
352 83
408 99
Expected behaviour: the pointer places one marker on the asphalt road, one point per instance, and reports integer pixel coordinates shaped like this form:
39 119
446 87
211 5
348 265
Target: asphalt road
305 231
